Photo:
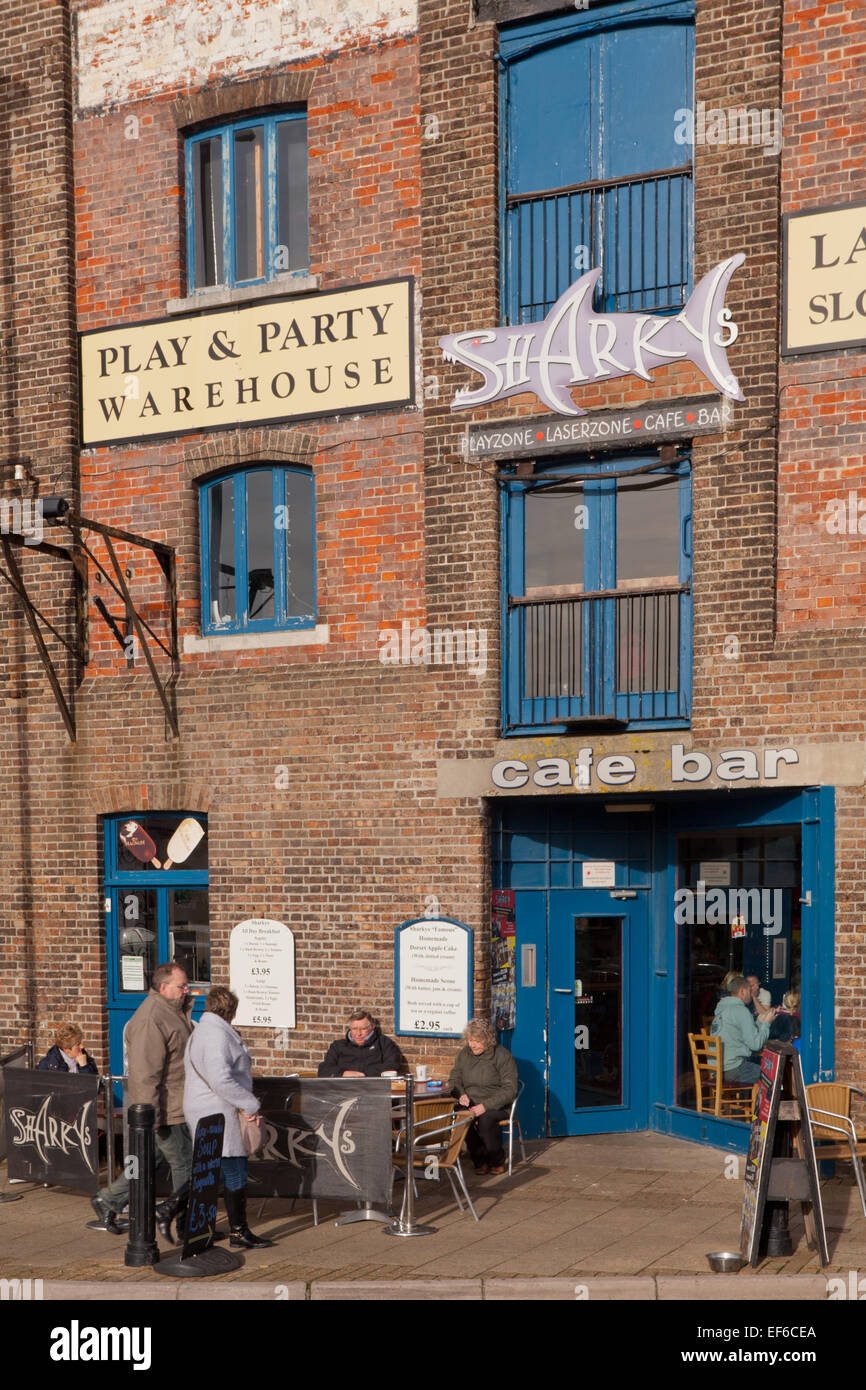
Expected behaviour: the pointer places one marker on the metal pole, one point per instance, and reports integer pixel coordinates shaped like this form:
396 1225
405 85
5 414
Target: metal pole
142 1248
405 1225
108 1082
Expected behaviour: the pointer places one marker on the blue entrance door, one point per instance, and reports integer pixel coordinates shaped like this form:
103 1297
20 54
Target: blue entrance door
598 963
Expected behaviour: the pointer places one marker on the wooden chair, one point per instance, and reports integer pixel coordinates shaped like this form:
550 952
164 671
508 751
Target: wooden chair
833 1130
715 1096
441 1138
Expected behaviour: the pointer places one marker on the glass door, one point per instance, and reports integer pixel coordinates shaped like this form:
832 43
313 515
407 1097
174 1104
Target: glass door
597 1012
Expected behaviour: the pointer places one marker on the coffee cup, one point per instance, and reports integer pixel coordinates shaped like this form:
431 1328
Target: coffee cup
421 1072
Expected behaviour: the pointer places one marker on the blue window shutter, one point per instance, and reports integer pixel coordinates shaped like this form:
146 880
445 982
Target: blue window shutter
582 106
637 113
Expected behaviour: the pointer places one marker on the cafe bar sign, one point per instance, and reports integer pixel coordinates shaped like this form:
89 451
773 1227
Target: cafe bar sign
824 300
343 351
600 429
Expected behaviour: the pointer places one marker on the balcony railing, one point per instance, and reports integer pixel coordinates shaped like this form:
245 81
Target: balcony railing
608 654
638 230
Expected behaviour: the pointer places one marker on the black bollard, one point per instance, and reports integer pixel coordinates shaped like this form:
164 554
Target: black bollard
141 1248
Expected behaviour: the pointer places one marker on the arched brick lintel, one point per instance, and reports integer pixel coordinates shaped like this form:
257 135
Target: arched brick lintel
153 796
236 448
220 103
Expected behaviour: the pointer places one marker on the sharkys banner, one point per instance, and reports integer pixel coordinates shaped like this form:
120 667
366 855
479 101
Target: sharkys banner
324 1137
574 346
51 1133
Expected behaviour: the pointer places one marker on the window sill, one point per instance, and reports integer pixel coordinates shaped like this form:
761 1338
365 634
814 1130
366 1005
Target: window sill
255 641
221 297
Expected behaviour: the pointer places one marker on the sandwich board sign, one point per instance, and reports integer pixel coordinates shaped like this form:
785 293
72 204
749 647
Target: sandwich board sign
771 1173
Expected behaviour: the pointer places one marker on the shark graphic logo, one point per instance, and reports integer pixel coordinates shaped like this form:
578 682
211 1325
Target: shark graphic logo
575 346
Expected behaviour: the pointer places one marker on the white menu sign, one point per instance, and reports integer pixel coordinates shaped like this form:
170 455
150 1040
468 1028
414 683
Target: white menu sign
262 968
433 971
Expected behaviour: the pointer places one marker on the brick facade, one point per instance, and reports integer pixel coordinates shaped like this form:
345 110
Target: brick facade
404 180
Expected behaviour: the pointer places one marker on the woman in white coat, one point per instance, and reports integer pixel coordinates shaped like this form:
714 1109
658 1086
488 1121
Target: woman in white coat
219 1081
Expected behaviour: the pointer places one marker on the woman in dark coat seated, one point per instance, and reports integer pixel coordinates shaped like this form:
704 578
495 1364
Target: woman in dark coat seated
484 1080
67 1054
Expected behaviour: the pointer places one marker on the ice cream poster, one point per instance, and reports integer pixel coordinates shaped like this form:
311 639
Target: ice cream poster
174 844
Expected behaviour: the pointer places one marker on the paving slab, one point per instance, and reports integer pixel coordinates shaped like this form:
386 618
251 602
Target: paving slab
568 1290
735 1287
460 1290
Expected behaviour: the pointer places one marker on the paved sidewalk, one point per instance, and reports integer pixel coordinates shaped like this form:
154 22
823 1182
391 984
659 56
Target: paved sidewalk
629 1216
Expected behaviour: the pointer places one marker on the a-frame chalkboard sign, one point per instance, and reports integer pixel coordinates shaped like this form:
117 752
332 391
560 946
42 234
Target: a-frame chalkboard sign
772 1173
199 1257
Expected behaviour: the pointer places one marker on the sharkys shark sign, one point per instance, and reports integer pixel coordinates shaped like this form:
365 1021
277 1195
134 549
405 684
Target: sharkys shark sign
51 1130
575 346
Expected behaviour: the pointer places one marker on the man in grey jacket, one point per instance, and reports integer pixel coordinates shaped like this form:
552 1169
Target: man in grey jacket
156 1038
740 1033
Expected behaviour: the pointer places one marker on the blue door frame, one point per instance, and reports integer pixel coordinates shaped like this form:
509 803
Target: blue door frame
581 1058
122 1004
538 847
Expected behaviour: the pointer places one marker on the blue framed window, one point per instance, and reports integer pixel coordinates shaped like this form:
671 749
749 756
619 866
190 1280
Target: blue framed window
156 907
246 200
592 172
597 618
258 553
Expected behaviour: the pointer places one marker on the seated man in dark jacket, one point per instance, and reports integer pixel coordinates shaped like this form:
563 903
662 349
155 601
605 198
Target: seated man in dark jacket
364 1051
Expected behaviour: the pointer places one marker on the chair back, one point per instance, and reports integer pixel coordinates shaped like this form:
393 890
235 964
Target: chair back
443 1136
429 1118
460 1122
707 1063
834 1098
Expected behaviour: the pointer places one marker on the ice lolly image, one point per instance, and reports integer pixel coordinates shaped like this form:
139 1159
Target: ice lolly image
139 843
183 842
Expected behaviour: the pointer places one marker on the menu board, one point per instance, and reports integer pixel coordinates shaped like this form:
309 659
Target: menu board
262 968
207 1153
433 977
774 1176
760 1153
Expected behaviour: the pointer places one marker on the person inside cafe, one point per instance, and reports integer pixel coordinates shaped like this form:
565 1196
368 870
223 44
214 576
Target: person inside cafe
760 998
740 1033
786 1025
484 1081
67 1054
364 1050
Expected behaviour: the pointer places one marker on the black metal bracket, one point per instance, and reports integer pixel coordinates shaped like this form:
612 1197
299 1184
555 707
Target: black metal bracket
76 556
